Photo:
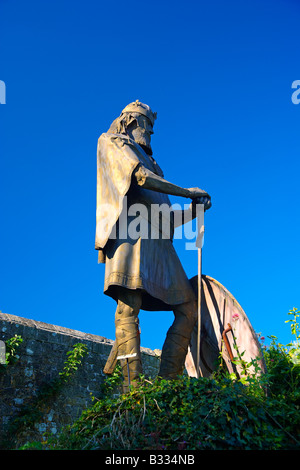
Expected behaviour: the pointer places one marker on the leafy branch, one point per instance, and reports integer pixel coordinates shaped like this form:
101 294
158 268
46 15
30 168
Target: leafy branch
11 347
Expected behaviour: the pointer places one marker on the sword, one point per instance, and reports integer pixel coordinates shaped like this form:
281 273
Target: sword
199 245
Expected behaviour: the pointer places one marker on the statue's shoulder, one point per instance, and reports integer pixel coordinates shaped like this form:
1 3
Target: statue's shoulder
119 141
118 148
106 141
108 136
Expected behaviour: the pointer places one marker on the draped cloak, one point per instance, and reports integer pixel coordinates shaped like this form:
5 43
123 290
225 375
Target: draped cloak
145 263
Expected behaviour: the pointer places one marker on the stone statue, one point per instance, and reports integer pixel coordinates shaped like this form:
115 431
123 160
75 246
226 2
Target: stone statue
141 272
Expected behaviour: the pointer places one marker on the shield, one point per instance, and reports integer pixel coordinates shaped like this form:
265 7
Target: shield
226 330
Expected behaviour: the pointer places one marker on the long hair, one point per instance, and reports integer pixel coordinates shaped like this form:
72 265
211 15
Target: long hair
119 125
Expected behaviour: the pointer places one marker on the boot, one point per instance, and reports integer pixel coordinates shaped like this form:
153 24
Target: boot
128 338
178 338
173 356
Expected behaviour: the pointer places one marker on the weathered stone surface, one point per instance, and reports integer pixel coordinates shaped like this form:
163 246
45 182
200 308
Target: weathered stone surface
41 357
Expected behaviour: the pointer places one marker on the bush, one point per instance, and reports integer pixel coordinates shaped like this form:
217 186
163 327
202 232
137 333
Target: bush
255 412
187 414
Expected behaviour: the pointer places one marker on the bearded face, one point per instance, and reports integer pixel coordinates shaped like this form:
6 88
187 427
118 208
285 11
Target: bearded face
140 130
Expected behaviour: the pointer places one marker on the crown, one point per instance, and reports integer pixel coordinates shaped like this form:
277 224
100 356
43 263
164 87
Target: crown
141 108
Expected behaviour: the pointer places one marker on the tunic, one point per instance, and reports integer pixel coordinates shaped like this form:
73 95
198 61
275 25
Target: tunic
134 243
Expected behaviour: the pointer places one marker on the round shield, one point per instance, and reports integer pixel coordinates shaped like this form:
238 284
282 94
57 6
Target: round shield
226 330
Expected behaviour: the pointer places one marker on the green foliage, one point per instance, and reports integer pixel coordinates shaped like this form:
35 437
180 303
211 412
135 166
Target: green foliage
113 382
33 411
224 412
12 345
294 348
187 414
250 411
73 362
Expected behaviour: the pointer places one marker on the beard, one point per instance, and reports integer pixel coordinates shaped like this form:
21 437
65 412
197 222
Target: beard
143 139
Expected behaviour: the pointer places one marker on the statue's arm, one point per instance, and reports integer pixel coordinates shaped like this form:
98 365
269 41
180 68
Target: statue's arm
149 180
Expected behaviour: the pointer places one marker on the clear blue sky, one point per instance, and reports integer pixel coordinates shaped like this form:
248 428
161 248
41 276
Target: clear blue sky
219 75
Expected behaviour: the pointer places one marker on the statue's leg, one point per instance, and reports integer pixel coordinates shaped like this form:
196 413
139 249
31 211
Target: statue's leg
127 333
177 341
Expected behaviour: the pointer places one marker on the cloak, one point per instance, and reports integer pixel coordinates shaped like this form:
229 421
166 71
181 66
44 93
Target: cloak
117 158
150 265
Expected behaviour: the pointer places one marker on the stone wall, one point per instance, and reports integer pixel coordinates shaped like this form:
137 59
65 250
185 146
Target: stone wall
41 357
